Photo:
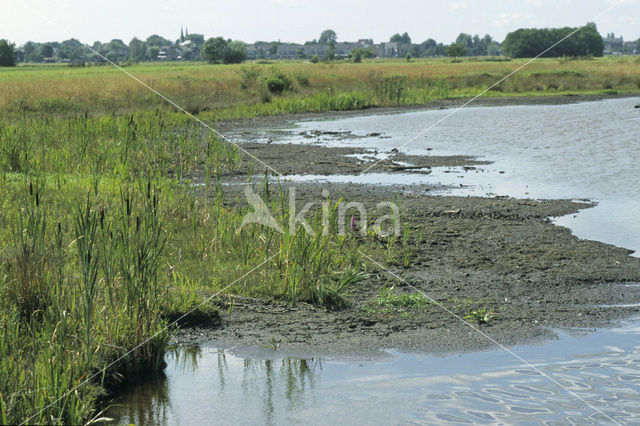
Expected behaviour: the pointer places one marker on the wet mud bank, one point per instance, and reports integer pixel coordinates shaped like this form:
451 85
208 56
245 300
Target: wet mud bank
501 256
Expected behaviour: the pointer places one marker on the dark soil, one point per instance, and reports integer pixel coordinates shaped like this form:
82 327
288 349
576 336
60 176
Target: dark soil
500 254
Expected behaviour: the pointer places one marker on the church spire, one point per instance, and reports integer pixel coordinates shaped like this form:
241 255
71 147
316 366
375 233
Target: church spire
181 35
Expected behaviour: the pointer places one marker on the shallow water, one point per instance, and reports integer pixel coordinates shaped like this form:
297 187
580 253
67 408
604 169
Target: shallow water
585 150
209 385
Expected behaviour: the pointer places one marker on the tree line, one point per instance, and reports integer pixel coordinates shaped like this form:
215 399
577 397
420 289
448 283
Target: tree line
524 42
530 42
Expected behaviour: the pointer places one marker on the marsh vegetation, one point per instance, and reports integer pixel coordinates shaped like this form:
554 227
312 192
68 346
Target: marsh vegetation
106 240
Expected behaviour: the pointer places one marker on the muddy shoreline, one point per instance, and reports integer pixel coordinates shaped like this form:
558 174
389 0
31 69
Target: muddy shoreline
501 254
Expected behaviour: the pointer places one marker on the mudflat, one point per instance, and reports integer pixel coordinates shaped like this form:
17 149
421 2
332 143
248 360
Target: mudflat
496 256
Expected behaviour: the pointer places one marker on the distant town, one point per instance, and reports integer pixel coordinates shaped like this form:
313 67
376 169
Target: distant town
189 46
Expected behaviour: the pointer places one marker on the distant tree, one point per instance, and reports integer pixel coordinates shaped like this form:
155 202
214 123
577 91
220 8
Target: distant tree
493 49
137 49
46 50
530 42
28 49
32 52
118 46
638 45
328 37
273 47
590 38
7 54
397 38
235 53
455 50
214 49
475 45
330 55
487 40
156 40
154 51
197 39
78 54
428 47
67 47
465 40
363 52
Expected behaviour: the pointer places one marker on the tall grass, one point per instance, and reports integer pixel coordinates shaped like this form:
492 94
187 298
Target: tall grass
104 237
57 328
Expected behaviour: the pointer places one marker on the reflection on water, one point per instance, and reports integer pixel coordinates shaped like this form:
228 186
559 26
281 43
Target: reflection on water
203 382
210 385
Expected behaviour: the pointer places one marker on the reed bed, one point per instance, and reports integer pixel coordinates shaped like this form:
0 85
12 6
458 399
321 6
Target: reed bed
106 239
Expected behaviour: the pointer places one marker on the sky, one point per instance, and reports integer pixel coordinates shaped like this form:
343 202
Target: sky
303 20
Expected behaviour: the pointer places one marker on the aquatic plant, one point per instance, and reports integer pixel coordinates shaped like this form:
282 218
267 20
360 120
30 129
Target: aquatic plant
481 316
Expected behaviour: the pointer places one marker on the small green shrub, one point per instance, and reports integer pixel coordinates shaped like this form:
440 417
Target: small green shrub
275 85
278 82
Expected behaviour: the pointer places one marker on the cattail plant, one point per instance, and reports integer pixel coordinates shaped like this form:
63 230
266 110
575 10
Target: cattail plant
86 227
27 288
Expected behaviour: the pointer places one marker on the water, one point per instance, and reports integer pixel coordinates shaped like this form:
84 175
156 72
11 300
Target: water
587 150
209 385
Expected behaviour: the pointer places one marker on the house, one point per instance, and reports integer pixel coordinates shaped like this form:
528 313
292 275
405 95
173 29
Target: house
311 49
390 49
288 50
252 51
629 47
263 49
612 44
343 49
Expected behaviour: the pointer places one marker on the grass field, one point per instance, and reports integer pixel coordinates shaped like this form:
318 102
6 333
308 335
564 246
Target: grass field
104 240
236 91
